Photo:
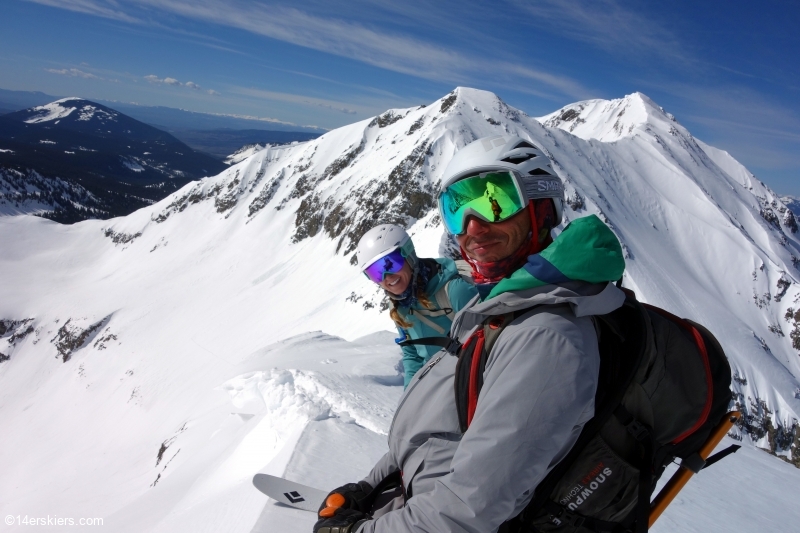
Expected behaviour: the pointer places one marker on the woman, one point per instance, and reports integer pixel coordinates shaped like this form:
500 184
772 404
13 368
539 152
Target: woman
425 293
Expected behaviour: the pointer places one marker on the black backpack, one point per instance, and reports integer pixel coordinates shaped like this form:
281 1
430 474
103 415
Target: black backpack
664 385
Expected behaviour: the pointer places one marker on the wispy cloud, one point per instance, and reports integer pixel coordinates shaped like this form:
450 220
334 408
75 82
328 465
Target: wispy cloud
739 106
607 24
106 9
294 99
74 72
380 47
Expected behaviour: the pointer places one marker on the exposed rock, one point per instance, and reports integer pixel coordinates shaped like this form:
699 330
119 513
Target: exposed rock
385 119
343 161
783 286
416 125
14 331
448 102
106 337
405 194
266 194
71 338
769 215
783 438
575 201
790 221
118 237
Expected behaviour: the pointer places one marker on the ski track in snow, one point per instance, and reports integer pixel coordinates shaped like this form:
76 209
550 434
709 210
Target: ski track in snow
152 364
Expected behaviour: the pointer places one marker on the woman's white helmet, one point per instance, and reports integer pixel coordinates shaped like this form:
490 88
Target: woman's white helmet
381 240
501 152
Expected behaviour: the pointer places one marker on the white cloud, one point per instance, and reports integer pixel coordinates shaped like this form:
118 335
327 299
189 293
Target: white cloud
73 72
152 78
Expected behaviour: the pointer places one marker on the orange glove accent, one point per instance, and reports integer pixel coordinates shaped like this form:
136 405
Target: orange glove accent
332 503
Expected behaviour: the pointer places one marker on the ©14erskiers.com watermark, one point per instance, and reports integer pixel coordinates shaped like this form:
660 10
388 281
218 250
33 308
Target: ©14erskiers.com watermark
25 520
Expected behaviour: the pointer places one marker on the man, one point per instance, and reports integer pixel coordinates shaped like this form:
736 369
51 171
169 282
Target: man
473 471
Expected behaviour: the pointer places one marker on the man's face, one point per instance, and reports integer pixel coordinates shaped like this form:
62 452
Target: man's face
492 241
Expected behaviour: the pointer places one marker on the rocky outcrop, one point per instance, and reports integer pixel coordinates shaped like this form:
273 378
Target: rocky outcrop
71 337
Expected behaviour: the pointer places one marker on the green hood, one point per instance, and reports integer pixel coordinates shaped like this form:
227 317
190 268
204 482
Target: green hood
587 250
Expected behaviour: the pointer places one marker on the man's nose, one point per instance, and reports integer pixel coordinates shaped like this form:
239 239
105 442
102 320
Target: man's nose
476 226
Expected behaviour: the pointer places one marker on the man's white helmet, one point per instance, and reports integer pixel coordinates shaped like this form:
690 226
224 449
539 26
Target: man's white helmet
509 153
381 240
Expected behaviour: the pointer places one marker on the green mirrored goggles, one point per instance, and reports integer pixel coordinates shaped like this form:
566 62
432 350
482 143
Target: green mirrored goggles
490 196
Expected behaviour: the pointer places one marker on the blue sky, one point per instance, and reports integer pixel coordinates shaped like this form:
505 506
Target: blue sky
728 70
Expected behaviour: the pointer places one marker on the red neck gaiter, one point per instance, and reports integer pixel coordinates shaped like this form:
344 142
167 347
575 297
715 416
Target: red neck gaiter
494 271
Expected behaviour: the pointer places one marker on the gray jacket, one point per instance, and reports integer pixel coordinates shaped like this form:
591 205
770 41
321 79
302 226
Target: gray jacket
538 392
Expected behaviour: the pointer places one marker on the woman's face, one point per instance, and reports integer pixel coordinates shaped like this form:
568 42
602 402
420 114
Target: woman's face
397 283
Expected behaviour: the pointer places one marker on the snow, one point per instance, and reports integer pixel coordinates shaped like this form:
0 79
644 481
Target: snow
52 111
175 352
244 152
60 109
132 164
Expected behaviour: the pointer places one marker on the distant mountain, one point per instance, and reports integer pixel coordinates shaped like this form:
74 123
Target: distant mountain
161 117
119 162
182 119
793 203
224 142
16 100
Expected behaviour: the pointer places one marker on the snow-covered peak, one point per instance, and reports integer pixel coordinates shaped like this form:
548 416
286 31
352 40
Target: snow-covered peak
63 108
610 120
52 111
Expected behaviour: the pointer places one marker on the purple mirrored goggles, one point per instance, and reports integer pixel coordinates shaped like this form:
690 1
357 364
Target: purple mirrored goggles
391 263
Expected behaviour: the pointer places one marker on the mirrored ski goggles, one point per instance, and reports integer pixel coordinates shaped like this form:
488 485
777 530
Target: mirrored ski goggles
491 196
391 263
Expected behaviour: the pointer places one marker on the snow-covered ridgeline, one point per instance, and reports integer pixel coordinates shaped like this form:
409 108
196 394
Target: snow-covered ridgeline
703 237
143 333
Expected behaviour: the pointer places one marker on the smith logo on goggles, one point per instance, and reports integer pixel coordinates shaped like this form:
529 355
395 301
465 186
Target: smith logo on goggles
490 196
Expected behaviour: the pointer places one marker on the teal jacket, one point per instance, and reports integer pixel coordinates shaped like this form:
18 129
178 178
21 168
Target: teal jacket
460 292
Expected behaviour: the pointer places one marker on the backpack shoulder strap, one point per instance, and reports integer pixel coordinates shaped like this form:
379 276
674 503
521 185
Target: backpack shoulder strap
464 271
442 298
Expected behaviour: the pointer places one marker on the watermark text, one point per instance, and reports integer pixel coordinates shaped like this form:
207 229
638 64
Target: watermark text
51 520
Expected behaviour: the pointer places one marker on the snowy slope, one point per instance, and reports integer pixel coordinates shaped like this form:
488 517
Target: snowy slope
244 152
153 363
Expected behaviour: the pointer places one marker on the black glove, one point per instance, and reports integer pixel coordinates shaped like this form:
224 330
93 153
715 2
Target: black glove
341 521
352 496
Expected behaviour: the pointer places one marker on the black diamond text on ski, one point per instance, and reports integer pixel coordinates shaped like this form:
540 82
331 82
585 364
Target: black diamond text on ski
294 497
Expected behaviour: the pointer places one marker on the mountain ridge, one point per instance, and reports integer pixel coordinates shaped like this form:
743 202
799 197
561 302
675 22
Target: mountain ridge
156 328
117 163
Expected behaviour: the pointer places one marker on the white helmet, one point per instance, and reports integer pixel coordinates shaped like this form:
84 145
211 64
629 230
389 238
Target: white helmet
381 240
509 153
